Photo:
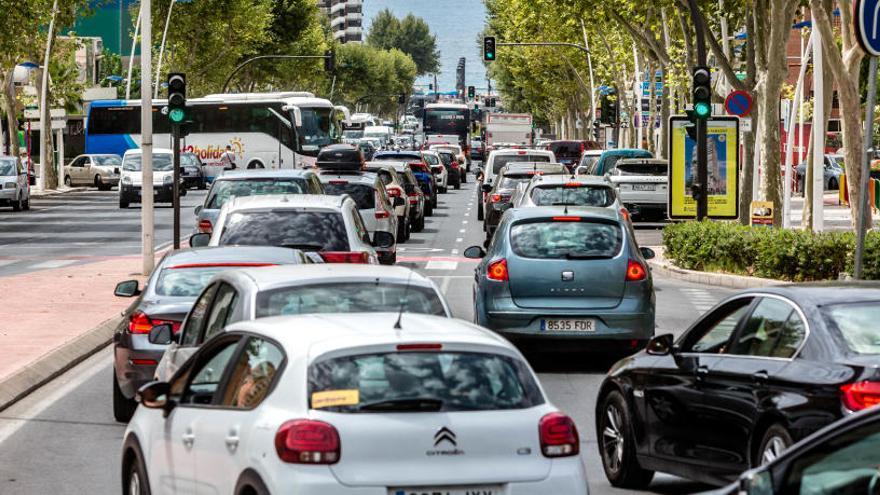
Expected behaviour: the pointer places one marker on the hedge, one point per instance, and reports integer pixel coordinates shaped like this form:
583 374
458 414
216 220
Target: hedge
795 255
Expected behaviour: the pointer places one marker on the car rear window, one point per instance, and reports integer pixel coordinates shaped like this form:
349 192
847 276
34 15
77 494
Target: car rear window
654 169
308 230
349 297
431 159
563 238
568 149
223 190
184 282
501 161
421 382
447 158
512 180
364 195
857 323
577 195
419 167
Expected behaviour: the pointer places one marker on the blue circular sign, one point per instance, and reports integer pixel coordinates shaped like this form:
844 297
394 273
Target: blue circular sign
738 103
867 20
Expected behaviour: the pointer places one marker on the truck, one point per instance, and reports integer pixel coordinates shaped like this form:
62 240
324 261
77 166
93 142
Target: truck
508 128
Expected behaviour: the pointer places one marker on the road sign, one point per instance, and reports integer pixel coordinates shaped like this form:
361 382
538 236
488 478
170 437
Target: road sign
738 103
54 113
745 124
867 24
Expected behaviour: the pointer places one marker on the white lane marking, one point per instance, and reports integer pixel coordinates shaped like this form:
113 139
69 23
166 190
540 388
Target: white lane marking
94 365
459 239
52 264
464 222
454 251
8 262
462 231
441 265
701 299
467 214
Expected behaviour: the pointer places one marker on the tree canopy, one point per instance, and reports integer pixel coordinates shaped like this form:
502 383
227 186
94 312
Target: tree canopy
411 35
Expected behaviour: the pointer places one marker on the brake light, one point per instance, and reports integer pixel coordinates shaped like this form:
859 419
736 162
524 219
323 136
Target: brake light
307 441
572 184
521 153
635 271
345 256
559 436
454 165
566 219
495 198
140 323
497 271
394 192
625 214
860 395
419 347
382 214
143 362
338 182
205 226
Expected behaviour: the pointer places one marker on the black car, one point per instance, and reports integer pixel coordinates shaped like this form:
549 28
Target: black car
453 168
166 299
191 171
841 458
760 371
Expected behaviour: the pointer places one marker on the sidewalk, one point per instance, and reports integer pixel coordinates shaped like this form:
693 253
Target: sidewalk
52 319
36 192
836 216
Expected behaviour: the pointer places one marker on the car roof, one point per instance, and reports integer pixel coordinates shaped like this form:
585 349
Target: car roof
286 201
522 167
543 180
382 164
355 176
633 152
512 151
825 293
653 161
323 333
229 254
263 173
574 211
408 154
284 276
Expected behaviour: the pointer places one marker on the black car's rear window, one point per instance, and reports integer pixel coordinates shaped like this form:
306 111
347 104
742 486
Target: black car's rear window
308 230
654 169
424 381
574 195
500 161
364 195
563 238
857 323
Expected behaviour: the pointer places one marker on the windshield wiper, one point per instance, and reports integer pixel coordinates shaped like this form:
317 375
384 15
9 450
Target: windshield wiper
304 247
429 404
572 256
564 203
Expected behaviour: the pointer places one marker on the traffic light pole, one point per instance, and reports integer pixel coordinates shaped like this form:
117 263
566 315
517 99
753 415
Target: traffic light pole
175 188
702 139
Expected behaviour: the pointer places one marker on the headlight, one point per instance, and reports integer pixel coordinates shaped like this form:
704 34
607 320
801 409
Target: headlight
10 185
126 180
168 179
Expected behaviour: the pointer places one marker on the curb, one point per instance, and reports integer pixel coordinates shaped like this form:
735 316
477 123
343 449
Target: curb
55 192
711 278
55 362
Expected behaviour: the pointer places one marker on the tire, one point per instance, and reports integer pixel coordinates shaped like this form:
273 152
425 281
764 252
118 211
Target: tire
134 476
26 204
123 203
250 484
833 185
463 179
123 407
429 209
255 165
401 231
420 224
202 185
67 181
775 441
616 442
408 233
18 204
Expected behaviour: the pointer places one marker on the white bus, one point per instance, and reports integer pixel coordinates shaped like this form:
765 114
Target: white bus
263 130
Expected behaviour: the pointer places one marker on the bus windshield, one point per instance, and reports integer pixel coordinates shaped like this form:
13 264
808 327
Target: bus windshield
318 130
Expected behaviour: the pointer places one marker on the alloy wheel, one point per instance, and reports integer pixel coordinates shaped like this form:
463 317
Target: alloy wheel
612 438
773 449
134 482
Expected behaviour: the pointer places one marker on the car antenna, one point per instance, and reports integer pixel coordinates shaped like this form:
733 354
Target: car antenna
403 302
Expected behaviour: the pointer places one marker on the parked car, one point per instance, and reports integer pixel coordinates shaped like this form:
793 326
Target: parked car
259 182
16 188
101 171
167 296
329 288
609 158
642 186
498 199
760 371
394 188
368 192
565 279
192 171
441 175
833 169
131 181
328 225
357 403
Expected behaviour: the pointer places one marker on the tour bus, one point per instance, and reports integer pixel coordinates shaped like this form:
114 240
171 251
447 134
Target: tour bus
448 118
263 130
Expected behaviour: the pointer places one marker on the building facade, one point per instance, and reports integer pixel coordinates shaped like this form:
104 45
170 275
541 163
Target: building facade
346 19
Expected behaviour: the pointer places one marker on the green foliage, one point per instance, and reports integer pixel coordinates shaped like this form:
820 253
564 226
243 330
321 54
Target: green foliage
795 255
411 35
366 74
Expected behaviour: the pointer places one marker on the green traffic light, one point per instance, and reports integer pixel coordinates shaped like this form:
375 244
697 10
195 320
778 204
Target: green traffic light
176 115
702 109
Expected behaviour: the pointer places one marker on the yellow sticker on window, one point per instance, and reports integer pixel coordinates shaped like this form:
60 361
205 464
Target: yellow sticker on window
333 398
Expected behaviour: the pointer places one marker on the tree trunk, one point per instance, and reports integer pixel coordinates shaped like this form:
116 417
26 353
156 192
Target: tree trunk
51 179
745 178
9 104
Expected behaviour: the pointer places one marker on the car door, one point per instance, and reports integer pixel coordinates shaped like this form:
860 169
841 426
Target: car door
747 379
190 334
73 170
224 451
194 390
674 411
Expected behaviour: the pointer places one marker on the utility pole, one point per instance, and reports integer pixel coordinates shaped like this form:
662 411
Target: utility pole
147 238
864 197
162 49
701 189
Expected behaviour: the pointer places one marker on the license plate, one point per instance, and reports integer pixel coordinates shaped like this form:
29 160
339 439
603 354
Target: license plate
568 325
644 187
468 490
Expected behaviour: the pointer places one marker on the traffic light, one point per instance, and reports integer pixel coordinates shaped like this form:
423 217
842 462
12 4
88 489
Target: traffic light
702 92
472 92
430 87
596 126
329 61
491 103
176 98
489 48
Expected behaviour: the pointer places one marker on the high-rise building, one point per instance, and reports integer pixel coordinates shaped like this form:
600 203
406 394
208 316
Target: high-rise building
346 19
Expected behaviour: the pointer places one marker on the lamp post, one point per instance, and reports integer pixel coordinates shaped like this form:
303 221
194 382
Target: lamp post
162 49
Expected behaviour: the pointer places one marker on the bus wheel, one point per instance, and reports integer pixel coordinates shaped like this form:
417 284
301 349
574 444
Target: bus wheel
255 164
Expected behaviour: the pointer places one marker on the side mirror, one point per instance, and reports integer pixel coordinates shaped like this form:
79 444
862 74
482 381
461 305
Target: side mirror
199 240
383 239
661 345
398 201
161 335
648 253
129 288
154 395
198 209
486 187
474 252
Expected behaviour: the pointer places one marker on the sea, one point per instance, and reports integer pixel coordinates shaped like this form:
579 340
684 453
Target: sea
456 23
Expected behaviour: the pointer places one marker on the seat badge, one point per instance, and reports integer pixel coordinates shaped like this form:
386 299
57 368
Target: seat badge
567 276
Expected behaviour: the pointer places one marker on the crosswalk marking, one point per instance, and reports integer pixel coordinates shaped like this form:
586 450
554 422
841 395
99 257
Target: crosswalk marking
441 265
701 299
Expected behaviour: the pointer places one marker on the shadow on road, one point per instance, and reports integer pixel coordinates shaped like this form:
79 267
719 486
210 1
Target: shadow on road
575 362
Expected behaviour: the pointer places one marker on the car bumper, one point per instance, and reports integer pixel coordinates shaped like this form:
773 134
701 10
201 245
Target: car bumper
132 194
7 195
109 180
135 362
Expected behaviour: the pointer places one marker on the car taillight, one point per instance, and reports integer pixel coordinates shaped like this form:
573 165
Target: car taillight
345 256
566 219
559 436
140 323
454 165
495 198
205 226
625 214
393 192
382 214
307 441
860 395
635 271
497 271
419 347
572 184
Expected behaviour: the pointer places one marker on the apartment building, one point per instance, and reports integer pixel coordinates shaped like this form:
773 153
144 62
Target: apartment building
346 19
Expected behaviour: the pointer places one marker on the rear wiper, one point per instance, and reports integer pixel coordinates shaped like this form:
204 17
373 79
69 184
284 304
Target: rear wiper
563 203
429 404
304 247
571 256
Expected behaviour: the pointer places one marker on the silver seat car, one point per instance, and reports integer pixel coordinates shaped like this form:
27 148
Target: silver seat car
248 294
565 279
15 189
